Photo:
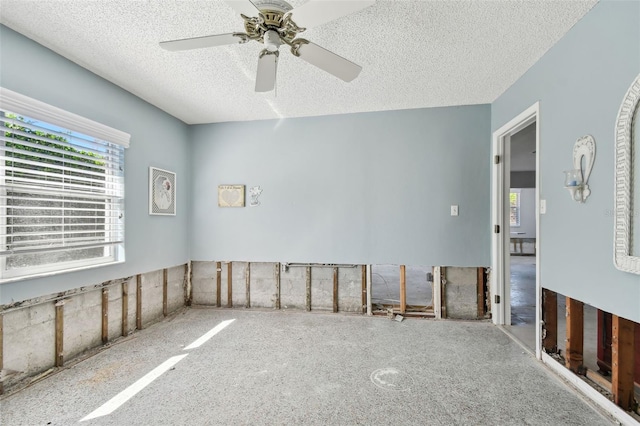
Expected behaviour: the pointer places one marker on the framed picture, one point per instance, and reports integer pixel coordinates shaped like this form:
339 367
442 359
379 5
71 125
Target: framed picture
230 195
162 192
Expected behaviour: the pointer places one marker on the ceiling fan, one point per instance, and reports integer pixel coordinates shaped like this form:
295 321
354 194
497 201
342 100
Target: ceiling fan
275 22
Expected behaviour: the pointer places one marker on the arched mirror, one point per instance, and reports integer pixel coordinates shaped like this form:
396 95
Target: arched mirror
627 203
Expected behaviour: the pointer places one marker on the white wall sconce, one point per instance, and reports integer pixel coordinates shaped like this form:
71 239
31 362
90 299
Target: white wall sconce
577 179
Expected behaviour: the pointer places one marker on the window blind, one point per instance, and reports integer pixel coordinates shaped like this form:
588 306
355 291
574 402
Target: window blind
61 197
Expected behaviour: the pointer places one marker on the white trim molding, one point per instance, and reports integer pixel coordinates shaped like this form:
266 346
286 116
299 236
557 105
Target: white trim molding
21 104
623 257
590 392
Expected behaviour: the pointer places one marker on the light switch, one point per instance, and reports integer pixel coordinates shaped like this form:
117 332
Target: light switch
543 206
454 210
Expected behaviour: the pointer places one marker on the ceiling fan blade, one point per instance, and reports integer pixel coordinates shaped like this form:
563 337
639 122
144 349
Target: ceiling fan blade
244 7
329 61
200 42
266 76
318 12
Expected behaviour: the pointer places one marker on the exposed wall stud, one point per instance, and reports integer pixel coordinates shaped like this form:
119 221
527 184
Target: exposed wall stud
443 293
480 295
165 290
403 289
105 315
550 321
230 285
139 302
218 284
622 362
575 335
125 309
308 278
1 349
247 281
364 289
335 289
59 356
277 272
188 279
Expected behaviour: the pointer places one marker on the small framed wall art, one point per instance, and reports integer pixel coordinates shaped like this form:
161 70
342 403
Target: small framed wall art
162 192
230 195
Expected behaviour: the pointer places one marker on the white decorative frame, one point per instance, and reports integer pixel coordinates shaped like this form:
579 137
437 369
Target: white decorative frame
162 192
625 152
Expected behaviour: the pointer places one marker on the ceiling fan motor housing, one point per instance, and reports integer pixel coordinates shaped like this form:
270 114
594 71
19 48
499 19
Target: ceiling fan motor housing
272 41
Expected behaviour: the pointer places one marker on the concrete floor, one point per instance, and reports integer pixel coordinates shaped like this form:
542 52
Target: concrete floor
271 367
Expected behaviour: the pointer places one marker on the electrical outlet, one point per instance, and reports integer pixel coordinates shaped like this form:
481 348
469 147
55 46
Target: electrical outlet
454 210
543 206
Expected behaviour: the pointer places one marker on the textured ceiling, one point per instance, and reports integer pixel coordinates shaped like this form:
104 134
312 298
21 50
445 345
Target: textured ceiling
414 54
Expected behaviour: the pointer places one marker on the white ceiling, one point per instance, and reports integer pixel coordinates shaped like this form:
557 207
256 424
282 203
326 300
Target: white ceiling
414 54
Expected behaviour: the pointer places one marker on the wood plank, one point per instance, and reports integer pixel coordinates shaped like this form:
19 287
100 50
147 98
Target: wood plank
105 315
59 340
277 272
364 289
230 285
125 309
165 291
188 289
218 284
335 289
1 349
480 296
247 282
403 289
575 336
622 360
443 293
308 291
139 302
549 321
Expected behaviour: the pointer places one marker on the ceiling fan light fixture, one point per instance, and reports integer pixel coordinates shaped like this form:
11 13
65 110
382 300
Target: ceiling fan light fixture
272 41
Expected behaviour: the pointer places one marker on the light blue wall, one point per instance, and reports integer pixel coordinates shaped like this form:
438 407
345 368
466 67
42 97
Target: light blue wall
157 139
358 188
580 84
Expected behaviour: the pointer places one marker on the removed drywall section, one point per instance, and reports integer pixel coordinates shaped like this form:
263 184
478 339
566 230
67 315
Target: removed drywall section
152 297
263 285
82 323
350 289
30 326
203 283
176 281
321 289
239 284
29 342
293 289
460 293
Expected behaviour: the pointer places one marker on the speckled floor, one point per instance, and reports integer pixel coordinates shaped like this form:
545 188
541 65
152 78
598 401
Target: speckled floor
308 368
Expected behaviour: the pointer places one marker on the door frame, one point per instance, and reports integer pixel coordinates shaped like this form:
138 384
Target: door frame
500 284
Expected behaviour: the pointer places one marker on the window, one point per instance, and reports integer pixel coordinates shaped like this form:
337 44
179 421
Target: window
61 190
514 208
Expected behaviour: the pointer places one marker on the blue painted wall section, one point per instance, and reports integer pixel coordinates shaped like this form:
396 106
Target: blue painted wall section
157 139
358 188
580 83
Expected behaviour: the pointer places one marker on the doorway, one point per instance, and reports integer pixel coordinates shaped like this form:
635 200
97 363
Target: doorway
515 284
522 234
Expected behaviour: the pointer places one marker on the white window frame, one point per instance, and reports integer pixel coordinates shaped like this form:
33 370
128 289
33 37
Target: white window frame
16 103
519 222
